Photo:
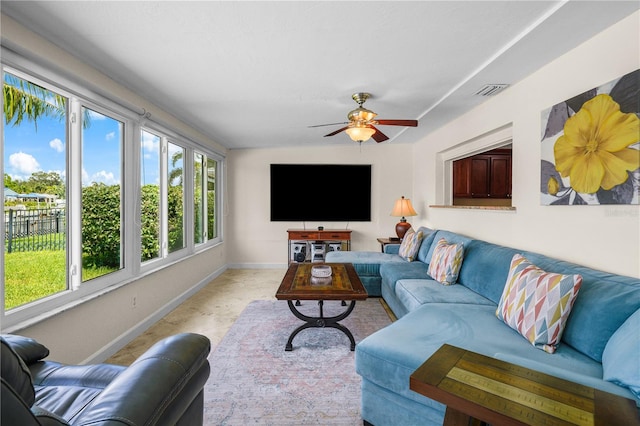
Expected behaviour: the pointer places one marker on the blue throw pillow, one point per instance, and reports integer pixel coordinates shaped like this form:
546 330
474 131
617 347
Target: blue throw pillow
620 362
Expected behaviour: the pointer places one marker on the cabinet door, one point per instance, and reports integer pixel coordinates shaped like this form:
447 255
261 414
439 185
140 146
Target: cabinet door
462 178
500 182
480 169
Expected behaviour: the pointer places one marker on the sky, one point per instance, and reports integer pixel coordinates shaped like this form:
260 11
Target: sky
29 148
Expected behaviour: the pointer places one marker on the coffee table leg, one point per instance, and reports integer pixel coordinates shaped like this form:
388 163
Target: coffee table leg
453 417
320 322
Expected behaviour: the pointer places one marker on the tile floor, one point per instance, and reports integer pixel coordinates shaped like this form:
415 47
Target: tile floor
210 312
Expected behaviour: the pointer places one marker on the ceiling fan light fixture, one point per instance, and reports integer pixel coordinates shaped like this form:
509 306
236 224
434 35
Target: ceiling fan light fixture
361 114
360 133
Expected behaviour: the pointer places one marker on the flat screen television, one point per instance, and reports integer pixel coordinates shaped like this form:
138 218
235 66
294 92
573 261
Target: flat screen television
321 192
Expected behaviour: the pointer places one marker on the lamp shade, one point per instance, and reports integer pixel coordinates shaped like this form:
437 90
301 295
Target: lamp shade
360 133
403 208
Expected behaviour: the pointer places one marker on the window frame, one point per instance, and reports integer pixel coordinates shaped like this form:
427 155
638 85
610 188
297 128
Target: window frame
133 269
444 160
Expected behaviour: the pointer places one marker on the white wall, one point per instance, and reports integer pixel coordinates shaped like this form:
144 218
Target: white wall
255 241
93 330
603 237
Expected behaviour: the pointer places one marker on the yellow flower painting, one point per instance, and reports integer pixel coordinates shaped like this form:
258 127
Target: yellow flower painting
591 146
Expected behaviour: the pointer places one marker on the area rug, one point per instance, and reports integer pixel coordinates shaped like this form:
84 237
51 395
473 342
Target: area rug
255 381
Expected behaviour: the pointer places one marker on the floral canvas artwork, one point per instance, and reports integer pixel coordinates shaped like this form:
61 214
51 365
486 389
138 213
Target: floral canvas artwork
591 146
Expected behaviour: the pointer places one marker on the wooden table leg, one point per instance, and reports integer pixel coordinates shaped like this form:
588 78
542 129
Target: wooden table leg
453 417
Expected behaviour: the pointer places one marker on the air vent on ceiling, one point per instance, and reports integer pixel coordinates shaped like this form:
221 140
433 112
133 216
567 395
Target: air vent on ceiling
491 89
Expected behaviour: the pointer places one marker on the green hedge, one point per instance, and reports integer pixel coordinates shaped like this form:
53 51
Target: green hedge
101 223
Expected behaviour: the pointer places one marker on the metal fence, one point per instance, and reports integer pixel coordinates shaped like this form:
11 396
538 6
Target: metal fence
32 230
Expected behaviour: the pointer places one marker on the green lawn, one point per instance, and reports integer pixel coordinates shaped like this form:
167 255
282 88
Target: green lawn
32 275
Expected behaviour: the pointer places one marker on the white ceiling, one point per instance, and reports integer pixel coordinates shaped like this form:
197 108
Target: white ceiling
257 74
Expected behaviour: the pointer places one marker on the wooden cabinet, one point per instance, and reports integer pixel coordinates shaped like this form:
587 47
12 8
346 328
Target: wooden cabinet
312 245
462 178
486 175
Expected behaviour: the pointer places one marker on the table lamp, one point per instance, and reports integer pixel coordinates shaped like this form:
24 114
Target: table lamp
403 208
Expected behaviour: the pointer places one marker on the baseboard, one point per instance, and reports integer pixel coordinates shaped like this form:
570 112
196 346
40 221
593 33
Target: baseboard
257 266
121 341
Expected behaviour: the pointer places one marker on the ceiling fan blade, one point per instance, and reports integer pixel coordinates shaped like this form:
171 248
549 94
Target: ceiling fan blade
337 131
378 136
330 124
409 123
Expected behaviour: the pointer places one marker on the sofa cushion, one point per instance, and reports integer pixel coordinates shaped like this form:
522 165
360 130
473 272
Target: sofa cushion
605 302
428 236
446 262
415 293
66 390
537 303
392 272
485 268
389 356
450 237
373 258
410 245
620 362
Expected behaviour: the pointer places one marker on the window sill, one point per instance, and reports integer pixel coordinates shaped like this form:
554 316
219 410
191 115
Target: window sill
498 208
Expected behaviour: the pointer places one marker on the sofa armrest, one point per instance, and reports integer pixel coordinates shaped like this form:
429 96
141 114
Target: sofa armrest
392 248
159 386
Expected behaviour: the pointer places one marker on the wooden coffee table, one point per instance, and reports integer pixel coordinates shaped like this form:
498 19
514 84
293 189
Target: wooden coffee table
298 284
476 387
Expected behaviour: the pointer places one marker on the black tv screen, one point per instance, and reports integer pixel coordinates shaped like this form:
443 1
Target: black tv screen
321 192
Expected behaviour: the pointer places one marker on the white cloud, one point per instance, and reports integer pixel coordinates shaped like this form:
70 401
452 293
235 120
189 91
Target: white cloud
150 142
23 163
104 177
57 145
110 136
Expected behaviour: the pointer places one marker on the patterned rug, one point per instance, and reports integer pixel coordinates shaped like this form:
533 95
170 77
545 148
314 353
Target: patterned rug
255 381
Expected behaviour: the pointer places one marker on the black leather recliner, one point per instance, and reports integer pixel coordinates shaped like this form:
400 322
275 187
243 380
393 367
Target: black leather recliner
162 387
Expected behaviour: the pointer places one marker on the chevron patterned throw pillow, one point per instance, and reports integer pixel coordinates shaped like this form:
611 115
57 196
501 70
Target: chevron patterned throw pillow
537 303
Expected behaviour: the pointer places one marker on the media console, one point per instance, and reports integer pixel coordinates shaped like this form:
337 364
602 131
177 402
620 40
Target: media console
311 245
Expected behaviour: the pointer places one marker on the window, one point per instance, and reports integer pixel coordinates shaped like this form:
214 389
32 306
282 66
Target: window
204 188
150 196
79 217
175 197
199 214
35 142
163 211
212 198
101 194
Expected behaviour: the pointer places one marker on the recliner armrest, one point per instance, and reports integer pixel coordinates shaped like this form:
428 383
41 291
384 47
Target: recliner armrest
159 386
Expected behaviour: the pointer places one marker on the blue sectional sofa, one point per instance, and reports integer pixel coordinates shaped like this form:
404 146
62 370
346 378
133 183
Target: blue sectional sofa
600 346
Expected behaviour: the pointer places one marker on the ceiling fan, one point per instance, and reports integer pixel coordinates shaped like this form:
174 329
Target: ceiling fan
362 122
